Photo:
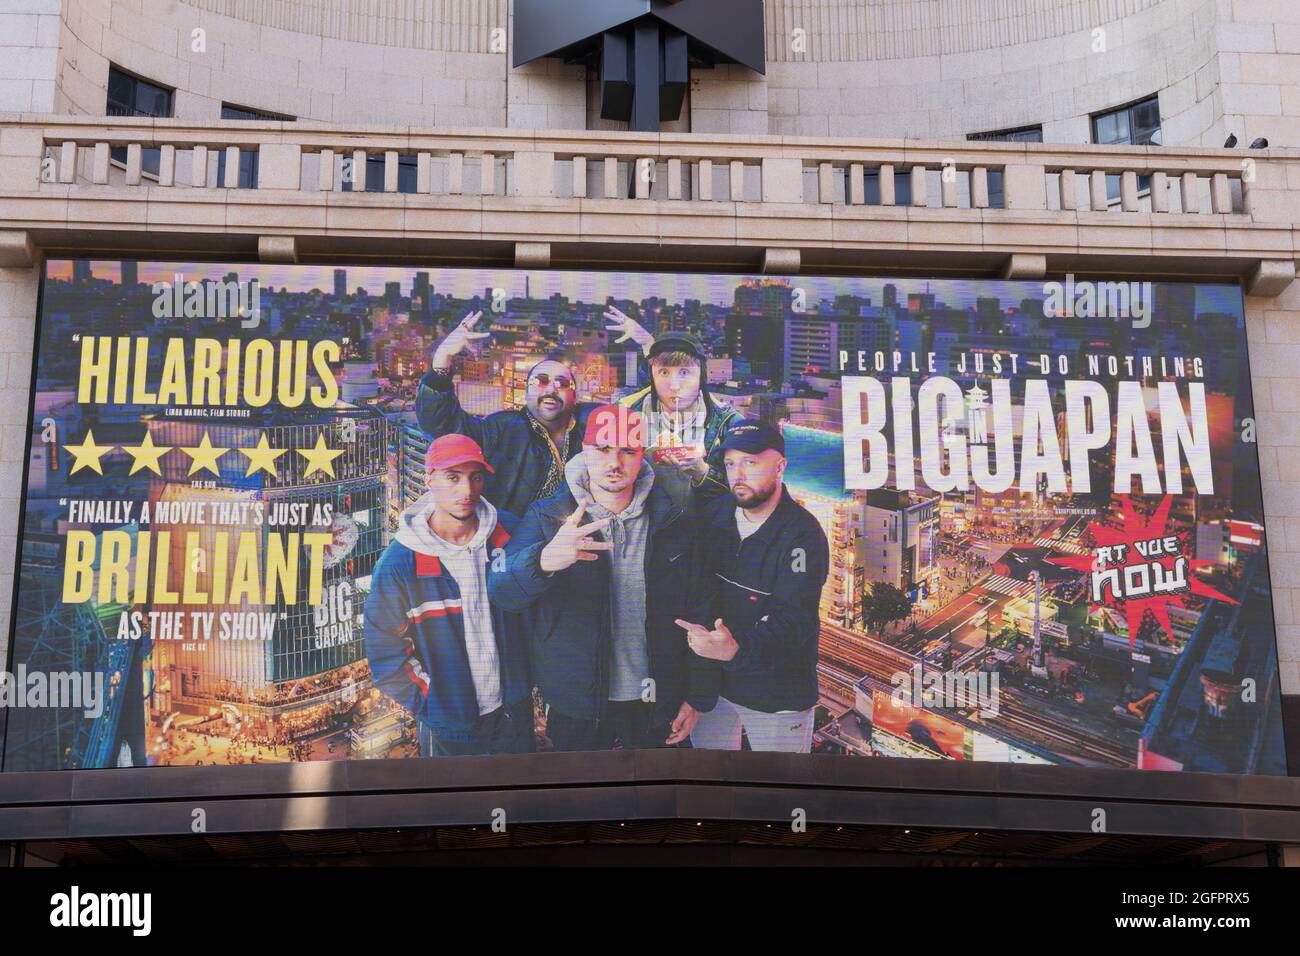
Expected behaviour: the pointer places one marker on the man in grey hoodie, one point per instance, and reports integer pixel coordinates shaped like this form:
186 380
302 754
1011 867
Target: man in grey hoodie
435 643
600 612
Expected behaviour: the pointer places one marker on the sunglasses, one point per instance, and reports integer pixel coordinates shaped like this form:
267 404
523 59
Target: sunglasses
541 380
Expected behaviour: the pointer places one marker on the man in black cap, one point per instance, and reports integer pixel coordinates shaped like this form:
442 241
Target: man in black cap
766 560
685 424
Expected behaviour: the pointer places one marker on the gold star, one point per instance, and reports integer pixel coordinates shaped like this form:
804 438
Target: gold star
146 455
319 458
87 454
262 457
204 456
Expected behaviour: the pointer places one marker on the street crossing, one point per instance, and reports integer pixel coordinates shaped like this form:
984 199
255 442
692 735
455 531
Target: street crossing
1008 586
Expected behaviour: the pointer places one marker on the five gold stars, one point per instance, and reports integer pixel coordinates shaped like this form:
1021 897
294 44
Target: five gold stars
146 455
262 458
320 458
203 457
87 454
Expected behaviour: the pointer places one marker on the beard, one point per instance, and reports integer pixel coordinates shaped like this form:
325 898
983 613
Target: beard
548 409
753 497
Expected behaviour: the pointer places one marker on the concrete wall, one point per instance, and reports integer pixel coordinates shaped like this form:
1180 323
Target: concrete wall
29 54
365 69
942 70
18 288
931 69
1273 334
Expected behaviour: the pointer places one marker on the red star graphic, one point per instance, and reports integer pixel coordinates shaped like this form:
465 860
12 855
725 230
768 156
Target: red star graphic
1134 529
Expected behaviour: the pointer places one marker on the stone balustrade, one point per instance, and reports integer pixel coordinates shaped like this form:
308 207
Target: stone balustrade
844 203
603 165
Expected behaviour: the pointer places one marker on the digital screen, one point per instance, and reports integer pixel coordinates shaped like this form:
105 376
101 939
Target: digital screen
279 513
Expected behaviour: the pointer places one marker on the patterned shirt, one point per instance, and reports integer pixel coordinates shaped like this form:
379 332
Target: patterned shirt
555 473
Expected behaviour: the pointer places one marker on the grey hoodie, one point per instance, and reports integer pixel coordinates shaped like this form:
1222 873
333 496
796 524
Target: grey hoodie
467 564
629 532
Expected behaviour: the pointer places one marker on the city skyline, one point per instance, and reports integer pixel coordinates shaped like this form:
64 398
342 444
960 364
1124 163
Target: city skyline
596 287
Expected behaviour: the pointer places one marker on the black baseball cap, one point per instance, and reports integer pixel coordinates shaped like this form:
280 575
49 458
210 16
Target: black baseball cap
678 342
754 437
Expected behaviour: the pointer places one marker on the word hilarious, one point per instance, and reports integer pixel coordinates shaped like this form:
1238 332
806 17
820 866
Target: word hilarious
119 370
967 438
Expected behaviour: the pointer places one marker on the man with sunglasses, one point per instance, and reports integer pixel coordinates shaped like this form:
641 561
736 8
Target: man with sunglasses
528 448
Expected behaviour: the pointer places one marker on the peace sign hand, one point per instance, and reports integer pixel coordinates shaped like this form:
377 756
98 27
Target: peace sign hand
458 339
573 543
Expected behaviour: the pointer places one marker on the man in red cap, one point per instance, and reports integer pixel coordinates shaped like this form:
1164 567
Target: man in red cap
600 598
436 644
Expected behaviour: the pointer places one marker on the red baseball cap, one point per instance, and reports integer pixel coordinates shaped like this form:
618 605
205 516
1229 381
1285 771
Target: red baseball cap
616 426
452 450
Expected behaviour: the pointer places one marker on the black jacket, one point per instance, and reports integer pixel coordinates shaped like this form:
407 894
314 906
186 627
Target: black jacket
567 614
767 589
520 456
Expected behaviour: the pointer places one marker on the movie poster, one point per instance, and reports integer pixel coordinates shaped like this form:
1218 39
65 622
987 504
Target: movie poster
287 513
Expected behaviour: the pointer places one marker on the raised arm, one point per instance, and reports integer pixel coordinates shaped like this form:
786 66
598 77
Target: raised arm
436 404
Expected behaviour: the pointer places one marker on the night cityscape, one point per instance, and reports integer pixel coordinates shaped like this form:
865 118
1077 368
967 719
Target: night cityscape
973 576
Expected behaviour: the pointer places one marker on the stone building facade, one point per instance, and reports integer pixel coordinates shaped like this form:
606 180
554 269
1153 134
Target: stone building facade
763 171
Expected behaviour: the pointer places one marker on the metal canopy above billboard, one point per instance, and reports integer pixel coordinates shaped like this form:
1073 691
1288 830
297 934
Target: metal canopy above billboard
641 48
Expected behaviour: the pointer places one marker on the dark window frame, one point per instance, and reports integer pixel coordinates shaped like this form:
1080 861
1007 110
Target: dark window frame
116 105
1012 135
247 159
1151 136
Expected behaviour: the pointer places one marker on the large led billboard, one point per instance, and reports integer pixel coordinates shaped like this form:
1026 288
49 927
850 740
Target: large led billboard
278 513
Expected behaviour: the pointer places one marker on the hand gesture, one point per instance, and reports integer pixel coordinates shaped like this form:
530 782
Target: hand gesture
457 340
697 469
716 644
630 328
682 724
572 543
